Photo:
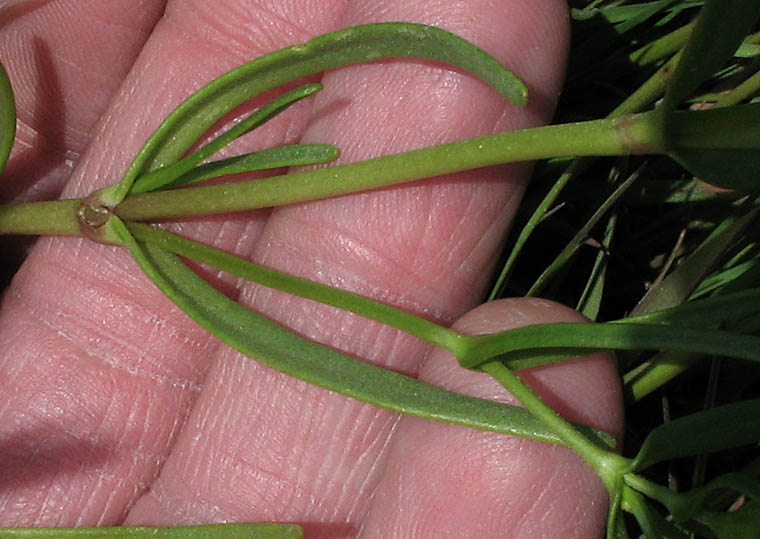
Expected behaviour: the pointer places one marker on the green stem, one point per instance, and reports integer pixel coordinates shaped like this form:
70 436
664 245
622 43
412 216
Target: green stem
385 314
607 465
41 218
665 496
651 375
629 134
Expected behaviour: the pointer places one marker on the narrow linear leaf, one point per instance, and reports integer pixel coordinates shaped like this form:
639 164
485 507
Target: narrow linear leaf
363 306
652 523
720 29
278 157
265 530
730 157
729 169
722 427
161 177
676 287
274 346
7 117
577 240
362 43
590 301
713 311
574 338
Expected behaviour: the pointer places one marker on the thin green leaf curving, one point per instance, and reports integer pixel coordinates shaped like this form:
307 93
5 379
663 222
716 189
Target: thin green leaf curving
722 427
363 43
278 157
162 177
274 346
567 339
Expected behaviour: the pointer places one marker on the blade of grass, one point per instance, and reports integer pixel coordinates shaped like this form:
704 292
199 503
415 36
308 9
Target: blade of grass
591 298
676 287
574 244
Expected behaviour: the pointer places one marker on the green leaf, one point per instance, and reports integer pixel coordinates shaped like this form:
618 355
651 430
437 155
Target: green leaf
652 523
714 311
363 43
729 155
280 156
568 339
7 117
744 522
720 29
676 287
162 177
264 530
720 146
274 346
723 427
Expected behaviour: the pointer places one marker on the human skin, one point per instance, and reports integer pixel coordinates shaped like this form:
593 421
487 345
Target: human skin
117 409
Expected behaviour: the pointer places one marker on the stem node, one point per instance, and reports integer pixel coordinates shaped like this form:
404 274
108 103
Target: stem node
93 216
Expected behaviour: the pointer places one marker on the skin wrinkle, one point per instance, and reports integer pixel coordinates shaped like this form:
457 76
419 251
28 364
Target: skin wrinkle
528 515
356 281
83 347
51 50
222 28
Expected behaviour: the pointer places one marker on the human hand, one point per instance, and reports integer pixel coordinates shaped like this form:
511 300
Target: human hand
120 410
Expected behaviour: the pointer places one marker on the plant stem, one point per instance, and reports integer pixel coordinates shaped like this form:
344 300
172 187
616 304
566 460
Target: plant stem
628 134
41 218
385 314
608 465
653 374
625 135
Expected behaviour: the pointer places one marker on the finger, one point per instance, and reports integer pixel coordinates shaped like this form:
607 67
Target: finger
66 60
448 481
98 368
259 446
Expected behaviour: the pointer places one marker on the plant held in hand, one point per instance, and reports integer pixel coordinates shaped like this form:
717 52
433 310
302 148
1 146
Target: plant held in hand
720 145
